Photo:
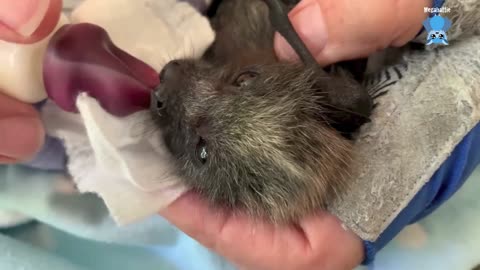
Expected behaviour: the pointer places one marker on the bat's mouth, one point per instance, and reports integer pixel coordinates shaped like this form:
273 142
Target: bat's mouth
157 106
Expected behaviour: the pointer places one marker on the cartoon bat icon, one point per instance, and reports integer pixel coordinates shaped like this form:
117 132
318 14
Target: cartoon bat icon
437 27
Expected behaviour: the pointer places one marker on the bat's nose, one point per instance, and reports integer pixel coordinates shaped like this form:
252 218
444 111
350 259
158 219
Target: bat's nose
171 71
156 103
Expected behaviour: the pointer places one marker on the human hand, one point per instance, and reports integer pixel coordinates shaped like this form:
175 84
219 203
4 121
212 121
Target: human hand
23 21
28 21
339 30
317 242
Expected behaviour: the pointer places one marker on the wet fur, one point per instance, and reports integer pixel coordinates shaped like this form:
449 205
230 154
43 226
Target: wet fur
277 148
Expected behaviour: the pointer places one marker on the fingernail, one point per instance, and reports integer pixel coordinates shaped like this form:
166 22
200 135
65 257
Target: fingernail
307 19
20 137
23 16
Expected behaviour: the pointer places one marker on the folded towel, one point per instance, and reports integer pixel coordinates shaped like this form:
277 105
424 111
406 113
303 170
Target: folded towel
419 120
127 169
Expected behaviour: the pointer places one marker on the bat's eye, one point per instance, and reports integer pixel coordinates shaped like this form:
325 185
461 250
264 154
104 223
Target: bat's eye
201 151
441 36
245 78
432 36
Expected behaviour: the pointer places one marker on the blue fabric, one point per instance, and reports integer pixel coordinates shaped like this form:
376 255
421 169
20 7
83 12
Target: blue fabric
437 4
448 239
52 156
444 183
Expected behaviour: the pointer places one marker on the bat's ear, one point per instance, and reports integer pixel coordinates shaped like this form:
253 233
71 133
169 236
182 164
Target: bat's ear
348 104
426 24
447 24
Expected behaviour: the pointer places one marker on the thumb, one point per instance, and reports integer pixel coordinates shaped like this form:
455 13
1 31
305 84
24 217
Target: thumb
339 30
309 22
28 21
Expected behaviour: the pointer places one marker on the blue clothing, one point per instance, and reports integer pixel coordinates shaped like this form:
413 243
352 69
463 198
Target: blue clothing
444 183
437 4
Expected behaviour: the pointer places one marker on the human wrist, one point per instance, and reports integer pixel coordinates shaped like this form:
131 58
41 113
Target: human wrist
347 249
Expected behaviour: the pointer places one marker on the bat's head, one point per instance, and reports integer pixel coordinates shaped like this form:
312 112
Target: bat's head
261 137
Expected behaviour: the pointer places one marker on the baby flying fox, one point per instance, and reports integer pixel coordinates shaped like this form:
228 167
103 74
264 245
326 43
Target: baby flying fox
252 133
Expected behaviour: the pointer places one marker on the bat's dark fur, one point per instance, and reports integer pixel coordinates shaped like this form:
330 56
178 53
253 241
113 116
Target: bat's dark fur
249 132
